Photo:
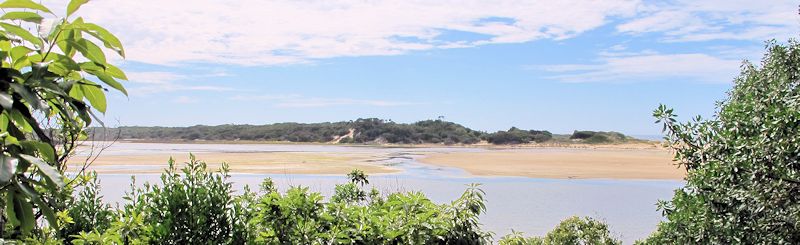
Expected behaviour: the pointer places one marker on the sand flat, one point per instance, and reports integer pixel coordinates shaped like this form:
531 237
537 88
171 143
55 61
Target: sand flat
259 162
560 163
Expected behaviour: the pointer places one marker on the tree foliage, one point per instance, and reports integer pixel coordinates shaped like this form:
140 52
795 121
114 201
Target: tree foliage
597 137
743 164
51 83
518 136
574 230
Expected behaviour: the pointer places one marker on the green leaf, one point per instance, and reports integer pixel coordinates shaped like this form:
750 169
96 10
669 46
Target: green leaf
27 4
46 210
50 172
88 50
74 5
24 211
19 52
20 121
109 40
111 82
95 95
8 167
46 151
115 72
22 33
23 16
11 213
28 96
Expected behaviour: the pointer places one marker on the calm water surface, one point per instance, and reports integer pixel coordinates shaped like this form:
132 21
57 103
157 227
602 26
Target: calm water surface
531 205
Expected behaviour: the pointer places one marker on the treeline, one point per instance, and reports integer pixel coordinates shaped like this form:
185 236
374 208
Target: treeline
599 137
361 131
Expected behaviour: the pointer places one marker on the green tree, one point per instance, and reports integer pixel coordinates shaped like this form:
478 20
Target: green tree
48 97
574 230
743 164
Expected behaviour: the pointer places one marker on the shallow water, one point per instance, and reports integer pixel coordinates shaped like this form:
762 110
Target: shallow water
531 205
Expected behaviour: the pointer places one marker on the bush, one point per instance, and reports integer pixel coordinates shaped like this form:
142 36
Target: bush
574 230
192 205
518 136
743 165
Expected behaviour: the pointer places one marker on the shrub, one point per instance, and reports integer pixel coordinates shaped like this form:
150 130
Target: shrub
574 230
743 165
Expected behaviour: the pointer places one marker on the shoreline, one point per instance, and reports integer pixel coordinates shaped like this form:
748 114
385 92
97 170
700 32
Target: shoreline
642 144
615 162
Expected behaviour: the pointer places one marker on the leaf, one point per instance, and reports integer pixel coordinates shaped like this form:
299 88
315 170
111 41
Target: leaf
8 167
88 50
19 52
28 96
46 210
111 82
46 151
50 172
27 4
95 95
23 16
24 211
22 33
11 213
74 5
109 40
6 101
115 72
20 121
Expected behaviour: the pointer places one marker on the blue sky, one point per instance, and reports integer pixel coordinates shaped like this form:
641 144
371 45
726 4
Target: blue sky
558 65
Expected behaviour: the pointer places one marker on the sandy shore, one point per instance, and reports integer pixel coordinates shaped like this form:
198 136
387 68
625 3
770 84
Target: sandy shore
263 162
636 161
563 163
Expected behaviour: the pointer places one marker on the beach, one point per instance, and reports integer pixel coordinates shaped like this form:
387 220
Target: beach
565 162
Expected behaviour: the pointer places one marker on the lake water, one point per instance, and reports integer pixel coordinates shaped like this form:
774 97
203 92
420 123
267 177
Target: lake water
530 205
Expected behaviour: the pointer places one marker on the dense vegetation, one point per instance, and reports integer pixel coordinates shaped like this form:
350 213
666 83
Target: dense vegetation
51 83
193 205
743 165
364 131
597 137
517 136
369 130
574 230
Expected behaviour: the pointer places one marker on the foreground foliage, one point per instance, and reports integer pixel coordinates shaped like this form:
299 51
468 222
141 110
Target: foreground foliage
744 164
574 230
52 81
192 205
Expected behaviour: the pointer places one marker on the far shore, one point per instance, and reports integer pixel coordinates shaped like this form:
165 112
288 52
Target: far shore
573 161
640 144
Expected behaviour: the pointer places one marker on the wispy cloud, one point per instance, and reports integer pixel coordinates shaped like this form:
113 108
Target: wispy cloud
299 101
144 83
689 20
254 32
639 67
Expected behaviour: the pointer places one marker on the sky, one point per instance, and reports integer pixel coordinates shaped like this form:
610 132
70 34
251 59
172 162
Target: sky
489 65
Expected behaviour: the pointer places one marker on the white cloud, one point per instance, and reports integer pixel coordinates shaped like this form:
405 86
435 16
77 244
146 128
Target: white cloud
690 20
254 32
648 67
299 101
143 83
